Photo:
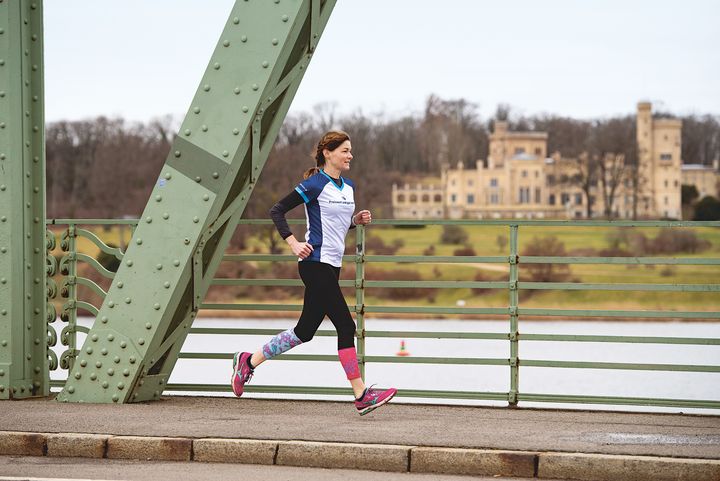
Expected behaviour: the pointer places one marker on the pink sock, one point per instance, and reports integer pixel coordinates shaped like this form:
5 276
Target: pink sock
348 359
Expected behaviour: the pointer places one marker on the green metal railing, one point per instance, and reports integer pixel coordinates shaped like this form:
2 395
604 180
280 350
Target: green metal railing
513 310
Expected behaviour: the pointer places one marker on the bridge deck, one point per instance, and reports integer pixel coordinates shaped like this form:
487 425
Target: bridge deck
675 435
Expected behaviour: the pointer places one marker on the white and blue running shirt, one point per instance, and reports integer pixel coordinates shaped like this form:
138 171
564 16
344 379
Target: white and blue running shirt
328 210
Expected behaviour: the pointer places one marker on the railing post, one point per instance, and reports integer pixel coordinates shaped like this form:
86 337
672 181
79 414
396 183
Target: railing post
360 295
68 268
514 301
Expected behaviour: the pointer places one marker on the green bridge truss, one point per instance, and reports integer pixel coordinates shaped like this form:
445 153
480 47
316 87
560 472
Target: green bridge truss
213 165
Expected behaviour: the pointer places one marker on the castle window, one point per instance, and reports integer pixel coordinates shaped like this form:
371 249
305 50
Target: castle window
676 183
667 157
538 151
413 198
437 198
666 183
524 173
578 199
564 198
453 198
494 199
551 199
666 202
425 198
470 199
452 182
401 198
550 179
537 174
470 183
493 183
519 150
524 195
537 195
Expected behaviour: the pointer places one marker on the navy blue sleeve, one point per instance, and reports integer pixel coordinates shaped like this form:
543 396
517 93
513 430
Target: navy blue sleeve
278 211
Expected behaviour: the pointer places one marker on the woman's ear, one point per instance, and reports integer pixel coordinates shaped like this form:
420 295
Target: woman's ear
326 154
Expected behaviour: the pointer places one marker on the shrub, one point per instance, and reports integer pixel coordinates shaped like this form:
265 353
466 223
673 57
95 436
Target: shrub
545 246
453 234
667 271
670 241
707 209
375 245
430 251
464 251
481 291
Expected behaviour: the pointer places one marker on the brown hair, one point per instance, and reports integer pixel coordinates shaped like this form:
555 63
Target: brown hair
331 141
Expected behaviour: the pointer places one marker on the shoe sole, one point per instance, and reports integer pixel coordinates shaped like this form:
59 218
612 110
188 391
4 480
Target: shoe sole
235 374
375 406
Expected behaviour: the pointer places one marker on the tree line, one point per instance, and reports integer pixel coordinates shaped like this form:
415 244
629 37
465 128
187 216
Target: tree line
106 168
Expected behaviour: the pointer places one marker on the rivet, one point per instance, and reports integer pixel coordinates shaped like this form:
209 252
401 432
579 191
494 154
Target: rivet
226 43
93 376
3 343
216 66
156 394
206 88
2 372
255 86
196 220
274 41
4 312
186 241
83 363
285 18
158 267
116 359
225 153
132 359
196 110
141 341
111 371
176 263
104 351
129 262
236 90
188 132
148 220
111 304
78 375
166 216
236 20
94 337
98 364
236 131
244 109
177 153
215 175
71 389
127 301
120 284
198 179
126 372
120 386
206 197
123 344
138 241
148 326
158 198
156 306
110 337
168 176
3 187
204 128
104 319
243 39
104 384
89 350
265 64
166 285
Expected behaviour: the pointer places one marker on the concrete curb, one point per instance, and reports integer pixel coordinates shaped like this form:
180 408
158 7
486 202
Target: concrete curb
376 457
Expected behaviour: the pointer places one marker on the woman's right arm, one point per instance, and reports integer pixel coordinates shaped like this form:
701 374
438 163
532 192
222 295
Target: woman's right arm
277 214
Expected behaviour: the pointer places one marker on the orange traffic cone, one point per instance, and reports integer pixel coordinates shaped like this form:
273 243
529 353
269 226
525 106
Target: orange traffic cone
402 351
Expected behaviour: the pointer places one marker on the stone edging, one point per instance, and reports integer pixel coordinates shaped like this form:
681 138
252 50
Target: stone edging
377 457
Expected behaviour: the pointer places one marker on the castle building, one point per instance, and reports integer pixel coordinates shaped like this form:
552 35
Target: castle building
520 180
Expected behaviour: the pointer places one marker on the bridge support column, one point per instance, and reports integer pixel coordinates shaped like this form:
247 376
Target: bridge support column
23 326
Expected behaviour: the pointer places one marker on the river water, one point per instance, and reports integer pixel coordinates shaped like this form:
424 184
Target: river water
597 382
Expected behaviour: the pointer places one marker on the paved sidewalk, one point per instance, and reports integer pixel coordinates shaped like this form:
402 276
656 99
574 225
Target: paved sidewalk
669 435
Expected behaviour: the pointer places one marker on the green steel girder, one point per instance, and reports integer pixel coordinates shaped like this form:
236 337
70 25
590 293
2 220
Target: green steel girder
212 167
24 333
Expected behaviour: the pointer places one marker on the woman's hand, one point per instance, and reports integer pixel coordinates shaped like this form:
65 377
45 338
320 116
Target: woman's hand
363 217
300 249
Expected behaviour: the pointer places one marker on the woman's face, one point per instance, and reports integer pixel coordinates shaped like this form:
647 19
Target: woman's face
339 159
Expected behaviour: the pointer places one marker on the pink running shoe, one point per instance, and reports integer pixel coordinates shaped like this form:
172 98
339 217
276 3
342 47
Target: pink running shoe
373 399
241 372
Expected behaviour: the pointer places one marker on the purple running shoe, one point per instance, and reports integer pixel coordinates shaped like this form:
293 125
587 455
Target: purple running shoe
373 399
241 372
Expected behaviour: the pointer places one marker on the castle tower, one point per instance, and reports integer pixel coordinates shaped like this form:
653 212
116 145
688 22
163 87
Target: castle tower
645 194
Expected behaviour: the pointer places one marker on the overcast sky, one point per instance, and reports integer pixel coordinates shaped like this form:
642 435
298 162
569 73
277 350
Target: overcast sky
583 58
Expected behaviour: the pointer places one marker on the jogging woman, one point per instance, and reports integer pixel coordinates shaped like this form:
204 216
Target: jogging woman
329 205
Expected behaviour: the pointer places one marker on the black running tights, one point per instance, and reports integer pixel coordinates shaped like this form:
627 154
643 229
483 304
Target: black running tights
324 297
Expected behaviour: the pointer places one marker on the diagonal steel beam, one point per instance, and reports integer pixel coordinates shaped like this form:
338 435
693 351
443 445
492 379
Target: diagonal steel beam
202 190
